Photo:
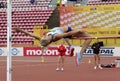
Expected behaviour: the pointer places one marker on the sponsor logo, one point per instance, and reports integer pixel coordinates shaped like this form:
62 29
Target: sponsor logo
1 51
15 51
39 52
103 51
36 51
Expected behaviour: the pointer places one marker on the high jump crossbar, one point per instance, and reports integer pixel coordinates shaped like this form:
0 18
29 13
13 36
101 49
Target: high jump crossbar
101 37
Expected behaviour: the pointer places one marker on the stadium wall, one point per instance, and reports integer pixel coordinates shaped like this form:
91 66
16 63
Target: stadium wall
52 51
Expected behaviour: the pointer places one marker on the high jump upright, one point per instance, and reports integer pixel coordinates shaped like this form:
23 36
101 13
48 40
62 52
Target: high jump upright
9 56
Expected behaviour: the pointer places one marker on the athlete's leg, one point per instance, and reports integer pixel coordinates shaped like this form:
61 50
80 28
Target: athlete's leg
98 57
62 63
86 43
70 47
60 36
78 34
95 61
58 63
99 65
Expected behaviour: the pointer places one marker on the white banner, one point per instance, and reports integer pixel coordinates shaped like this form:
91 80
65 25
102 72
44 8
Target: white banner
16 51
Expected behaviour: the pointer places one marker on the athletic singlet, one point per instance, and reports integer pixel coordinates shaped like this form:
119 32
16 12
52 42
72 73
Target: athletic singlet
57 30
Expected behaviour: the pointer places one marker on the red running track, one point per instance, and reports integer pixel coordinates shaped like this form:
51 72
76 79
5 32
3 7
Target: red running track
31 69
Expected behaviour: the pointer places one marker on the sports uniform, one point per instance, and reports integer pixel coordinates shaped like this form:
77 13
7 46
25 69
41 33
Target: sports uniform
61 50
58 30
96 48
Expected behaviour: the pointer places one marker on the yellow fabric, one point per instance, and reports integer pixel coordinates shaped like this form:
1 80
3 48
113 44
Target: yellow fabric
58 1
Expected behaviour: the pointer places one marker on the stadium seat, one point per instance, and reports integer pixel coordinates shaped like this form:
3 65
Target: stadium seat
100 2
24 15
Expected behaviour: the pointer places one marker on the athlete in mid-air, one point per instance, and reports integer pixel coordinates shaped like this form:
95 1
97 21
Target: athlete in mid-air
66 33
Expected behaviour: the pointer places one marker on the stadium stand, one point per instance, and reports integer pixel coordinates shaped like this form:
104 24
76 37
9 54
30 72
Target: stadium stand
24 15
102 2
27 15
99 19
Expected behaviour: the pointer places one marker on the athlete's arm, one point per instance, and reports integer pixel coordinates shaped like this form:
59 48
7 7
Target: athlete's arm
27 33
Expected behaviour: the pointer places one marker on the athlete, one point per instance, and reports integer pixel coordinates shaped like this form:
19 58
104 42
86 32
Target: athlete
96 49
61 57
66 33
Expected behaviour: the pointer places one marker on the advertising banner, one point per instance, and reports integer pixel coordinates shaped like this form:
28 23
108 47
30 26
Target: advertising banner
106 51
53 51
15 51
103 51
101 31
36 51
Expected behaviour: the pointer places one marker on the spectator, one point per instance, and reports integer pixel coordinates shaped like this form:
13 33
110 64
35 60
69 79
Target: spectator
2 5
33 1
96 48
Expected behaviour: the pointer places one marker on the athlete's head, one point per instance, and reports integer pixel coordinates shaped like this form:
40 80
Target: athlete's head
44 42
